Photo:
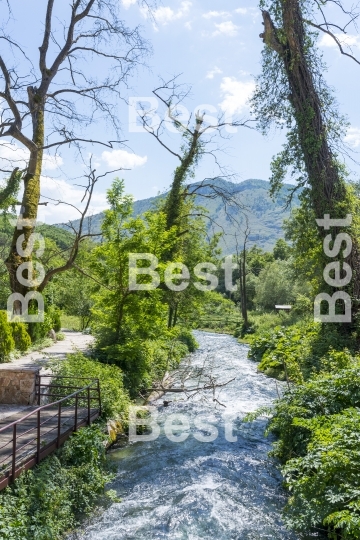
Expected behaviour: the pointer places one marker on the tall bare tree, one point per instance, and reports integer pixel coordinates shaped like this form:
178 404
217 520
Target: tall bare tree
52 103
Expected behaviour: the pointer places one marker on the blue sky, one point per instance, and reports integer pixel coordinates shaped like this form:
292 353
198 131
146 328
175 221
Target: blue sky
215 48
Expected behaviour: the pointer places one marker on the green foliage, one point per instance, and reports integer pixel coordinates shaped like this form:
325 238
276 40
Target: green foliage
317 424
9 192
7 343
281 250
275 285
55 314
219 314
127 321
21 337
74 294
71 322
325 484
114 397
49 500
187 337
39 331
299 351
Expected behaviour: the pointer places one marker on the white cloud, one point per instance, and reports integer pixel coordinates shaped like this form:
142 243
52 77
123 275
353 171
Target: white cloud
51 163
242 11
164 14
62 191
122 159
236 95
12 155
227 28
211 74
188 25
213 14
345 39
128 3
353 137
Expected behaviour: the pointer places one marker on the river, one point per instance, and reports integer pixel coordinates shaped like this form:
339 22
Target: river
192 490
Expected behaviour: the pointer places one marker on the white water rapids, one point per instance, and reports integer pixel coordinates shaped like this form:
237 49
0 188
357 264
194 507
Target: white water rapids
202 490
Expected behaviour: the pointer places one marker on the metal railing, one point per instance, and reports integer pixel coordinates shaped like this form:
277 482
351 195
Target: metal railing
25 442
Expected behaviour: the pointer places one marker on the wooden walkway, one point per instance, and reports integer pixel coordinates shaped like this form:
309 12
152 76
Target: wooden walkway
26 439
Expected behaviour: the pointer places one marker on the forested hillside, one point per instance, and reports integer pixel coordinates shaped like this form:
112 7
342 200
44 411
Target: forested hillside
266 215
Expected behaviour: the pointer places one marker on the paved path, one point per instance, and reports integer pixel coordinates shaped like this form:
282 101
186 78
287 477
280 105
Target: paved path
73 341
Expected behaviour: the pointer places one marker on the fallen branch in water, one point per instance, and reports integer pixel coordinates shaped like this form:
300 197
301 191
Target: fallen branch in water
186 390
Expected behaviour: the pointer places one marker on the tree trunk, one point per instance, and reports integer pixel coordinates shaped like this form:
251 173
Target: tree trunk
327 186
244 296
29 209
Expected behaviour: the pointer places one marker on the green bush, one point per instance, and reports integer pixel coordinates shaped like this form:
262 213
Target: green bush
317 425
325 483
39 331
187 337
114 398
21 337
51 499
7 343
299 351
55 314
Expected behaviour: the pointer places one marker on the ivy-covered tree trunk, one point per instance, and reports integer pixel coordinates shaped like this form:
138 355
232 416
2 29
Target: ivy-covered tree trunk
29 205
327 187
174 206
175 197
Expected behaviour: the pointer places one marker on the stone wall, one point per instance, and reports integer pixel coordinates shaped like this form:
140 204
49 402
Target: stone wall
17 384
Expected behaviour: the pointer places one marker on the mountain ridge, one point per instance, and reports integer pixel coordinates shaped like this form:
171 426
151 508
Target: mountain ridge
265 215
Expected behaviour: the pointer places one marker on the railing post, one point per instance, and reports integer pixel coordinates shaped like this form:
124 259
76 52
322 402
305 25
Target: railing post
99 394
14 454
59 427
38 437
76 411
88 405
38 384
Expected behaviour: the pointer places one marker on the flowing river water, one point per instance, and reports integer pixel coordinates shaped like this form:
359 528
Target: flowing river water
192 490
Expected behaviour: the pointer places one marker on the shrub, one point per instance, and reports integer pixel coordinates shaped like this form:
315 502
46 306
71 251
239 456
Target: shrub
299 350
324 394
114 398
317 425
21 337
55 315
325 483
275 285
7 343
187 337
38 331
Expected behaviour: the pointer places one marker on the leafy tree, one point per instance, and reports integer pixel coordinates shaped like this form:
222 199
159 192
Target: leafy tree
258 259
281 250
125 318
275 285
